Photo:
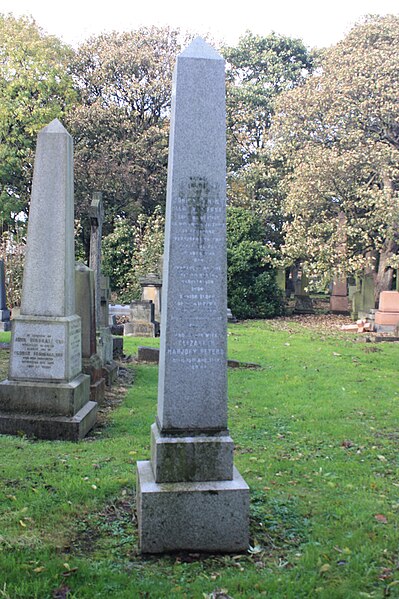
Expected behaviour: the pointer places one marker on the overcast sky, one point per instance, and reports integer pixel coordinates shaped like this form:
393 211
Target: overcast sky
316 22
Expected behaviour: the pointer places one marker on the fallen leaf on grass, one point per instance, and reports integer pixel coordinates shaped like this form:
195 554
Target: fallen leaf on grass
347 444
22 523
254 550
324 568
381 518
69 572
385 573
39 569
336 354
218 594
382 458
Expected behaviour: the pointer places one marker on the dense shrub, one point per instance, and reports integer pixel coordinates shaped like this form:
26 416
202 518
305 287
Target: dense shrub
251 282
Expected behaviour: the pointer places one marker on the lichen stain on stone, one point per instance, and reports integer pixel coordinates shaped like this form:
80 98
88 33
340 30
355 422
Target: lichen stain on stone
197 200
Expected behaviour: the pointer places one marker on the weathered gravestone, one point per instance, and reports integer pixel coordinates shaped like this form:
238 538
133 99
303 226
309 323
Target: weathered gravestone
190 496
339 302
102 292
46 394
96 213
142 320
86 309
363 300
151 289
5 324
303 301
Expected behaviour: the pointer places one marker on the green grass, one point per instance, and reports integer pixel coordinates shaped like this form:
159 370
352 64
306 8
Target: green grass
316 434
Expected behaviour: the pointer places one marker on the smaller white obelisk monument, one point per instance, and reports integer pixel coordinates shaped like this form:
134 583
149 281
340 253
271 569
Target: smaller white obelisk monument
46 394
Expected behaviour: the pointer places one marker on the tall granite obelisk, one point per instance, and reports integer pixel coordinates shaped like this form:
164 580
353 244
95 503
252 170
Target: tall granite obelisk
190 496
46 394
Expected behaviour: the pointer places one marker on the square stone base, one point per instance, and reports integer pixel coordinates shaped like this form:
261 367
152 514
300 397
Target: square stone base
41 426
191 459
93 368
5 325
46 348
203 516
46 397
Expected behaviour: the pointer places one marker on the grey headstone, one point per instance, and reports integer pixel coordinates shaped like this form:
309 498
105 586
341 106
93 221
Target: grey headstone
96 213
192 452
86 309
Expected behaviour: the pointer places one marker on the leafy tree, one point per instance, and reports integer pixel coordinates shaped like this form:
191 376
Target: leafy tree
12 252
339 133
133 251
251 283
258 70
35 88
117 254
149 245
120 124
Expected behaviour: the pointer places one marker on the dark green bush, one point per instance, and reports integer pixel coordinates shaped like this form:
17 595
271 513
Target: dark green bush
252 290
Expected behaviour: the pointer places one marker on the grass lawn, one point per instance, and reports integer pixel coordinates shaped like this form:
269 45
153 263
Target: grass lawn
316 431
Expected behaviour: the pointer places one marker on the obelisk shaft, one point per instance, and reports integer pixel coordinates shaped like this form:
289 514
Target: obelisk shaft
192 393
48 288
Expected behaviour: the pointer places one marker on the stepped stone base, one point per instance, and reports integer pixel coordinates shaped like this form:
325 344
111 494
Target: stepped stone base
53 399
47 410
198 516
191 459
42 426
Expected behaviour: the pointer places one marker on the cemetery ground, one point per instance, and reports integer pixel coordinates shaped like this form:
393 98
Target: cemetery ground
316 437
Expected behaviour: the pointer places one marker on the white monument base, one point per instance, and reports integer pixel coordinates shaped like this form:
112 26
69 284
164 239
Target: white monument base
33 422
209 516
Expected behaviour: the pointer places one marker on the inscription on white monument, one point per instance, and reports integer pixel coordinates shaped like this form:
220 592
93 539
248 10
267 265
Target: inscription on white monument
39 351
